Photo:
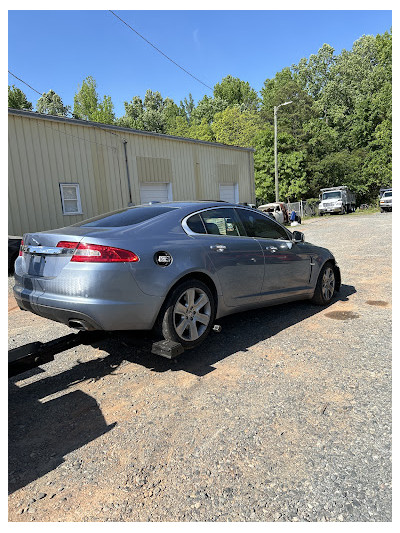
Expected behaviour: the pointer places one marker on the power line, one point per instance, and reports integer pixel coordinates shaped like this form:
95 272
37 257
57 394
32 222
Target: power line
27 84
158 50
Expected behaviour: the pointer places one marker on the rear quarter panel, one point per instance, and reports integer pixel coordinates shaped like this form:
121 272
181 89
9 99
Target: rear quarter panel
188 255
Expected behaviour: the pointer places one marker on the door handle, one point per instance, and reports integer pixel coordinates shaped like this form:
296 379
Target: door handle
272 248
218 247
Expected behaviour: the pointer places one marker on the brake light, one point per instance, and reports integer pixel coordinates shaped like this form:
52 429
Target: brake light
20 248
96 253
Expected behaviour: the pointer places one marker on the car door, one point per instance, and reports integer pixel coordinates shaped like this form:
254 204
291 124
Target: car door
278 215
238 260
287 264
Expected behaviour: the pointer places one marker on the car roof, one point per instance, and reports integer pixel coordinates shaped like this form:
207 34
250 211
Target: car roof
189 203
195 205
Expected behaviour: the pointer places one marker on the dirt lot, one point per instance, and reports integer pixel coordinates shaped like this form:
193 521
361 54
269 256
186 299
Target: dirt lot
284 416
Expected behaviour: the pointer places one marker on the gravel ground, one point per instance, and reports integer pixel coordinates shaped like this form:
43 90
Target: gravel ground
284 416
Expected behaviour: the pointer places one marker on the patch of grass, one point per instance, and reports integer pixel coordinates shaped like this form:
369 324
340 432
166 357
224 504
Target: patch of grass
369 211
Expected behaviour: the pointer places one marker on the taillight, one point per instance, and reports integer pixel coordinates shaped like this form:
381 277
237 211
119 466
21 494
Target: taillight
95 253
20 248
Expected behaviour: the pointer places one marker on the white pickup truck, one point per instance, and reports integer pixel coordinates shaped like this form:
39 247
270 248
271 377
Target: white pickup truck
385 203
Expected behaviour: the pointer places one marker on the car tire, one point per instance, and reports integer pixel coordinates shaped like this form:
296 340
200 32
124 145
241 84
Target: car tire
325 287
188 314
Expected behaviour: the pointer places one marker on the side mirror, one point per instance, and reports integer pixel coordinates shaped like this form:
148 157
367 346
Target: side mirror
298 236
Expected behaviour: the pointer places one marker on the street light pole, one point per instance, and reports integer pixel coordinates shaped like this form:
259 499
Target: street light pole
276 107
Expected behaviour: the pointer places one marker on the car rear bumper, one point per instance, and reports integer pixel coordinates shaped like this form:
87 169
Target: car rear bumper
98 315
106 298
65 316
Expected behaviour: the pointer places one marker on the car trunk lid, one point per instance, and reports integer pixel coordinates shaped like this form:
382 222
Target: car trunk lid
42 258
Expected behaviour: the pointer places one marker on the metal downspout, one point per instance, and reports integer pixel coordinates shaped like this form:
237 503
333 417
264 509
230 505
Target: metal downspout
127 172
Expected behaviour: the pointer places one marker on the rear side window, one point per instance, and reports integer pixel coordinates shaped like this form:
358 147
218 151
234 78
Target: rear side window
124 217
260 226
195 224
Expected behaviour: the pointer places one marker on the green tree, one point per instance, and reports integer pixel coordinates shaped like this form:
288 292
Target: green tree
207 108
133 114
202 131
17 99
88 107
293 182
152 114
187 107
170 112
51 104
235 127
314 73
105 111
179 127
284 87
235 91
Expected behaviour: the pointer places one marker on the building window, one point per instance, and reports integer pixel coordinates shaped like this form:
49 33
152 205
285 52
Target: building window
70 199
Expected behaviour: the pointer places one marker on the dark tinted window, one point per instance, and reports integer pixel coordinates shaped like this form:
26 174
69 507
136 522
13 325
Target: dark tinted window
260 226
222 222
125 217
196 224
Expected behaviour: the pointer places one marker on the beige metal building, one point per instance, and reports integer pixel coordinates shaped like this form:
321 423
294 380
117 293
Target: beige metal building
64 170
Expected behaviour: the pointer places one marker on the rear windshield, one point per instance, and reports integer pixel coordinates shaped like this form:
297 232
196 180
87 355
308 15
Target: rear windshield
124 217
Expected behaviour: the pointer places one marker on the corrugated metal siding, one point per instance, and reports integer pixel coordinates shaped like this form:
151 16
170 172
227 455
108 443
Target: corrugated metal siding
228 173
154 169
44 152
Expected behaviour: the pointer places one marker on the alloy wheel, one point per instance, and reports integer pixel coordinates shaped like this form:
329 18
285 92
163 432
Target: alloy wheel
192 314
328 284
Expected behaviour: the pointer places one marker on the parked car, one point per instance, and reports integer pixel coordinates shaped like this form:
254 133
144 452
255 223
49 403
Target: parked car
278 211
172 267
385 203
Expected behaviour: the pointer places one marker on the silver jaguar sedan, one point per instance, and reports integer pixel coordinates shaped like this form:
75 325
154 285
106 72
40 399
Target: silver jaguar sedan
172 267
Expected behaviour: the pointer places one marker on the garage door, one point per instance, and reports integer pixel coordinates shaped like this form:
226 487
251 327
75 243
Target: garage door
155 192
229 192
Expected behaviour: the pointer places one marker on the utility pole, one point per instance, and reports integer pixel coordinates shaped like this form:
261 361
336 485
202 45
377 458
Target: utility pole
276 107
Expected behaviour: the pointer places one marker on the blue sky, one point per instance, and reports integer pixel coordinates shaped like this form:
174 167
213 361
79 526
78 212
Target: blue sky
58 49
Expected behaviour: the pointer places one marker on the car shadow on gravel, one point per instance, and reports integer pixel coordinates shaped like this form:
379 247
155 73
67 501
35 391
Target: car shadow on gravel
42 432
243 330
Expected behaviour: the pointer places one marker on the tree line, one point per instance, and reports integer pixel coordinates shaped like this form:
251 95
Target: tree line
336 131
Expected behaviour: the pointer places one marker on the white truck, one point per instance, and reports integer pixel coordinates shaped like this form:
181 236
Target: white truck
385 202
337 200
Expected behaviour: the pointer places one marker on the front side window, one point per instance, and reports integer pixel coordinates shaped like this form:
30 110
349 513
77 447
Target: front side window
70 199
260 226
222 222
